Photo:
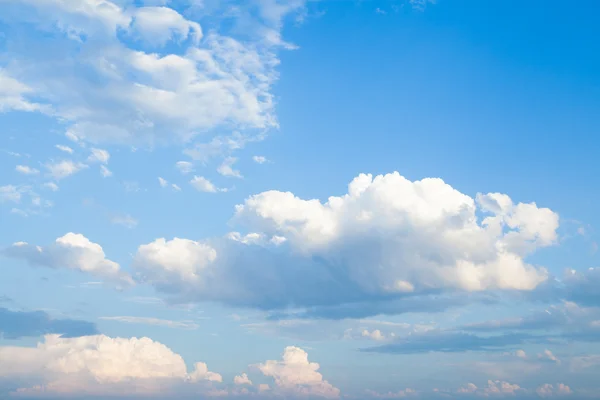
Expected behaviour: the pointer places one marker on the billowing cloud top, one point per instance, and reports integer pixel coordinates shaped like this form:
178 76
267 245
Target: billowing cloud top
388 237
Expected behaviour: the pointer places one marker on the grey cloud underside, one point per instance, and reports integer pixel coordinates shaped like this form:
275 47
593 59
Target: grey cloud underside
558 325
453 342
279 281
18 324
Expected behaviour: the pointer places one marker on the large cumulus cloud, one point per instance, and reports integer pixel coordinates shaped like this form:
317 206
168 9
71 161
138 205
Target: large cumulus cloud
388 238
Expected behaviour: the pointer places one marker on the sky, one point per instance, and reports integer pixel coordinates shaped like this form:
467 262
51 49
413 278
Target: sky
299 199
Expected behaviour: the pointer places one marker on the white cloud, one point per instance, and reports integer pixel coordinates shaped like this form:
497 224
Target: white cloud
374 335
165 183
159 25
387 238
105 172
66 149
181 260
13 95
62 169
501 387
226 168
547 355
153 321
99 155
119 90
99 365
202 184
71 251
295 375
548 390
26 170
493 388
242 380
185 167
10 193
259 159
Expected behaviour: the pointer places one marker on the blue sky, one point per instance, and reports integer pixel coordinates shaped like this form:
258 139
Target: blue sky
299 199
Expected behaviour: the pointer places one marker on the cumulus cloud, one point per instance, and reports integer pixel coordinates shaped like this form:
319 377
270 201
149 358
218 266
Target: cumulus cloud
295 375
242 379
71 251
387 239
548 390
99 365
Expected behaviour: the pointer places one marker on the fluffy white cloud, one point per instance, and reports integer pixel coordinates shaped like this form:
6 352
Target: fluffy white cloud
177 260
387 238
242 380
295 375
493 388
159 25
62 169
26 170
98 365
72 251
548 390
119 88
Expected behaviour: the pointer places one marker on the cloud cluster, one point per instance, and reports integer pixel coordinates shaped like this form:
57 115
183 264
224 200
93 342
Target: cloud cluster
295 375
98 365
123 367
126 84
388 238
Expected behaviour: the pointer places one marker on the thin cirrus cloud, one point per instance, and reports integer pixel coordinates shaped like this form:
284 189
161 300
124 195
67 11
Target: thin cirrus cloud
190 325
